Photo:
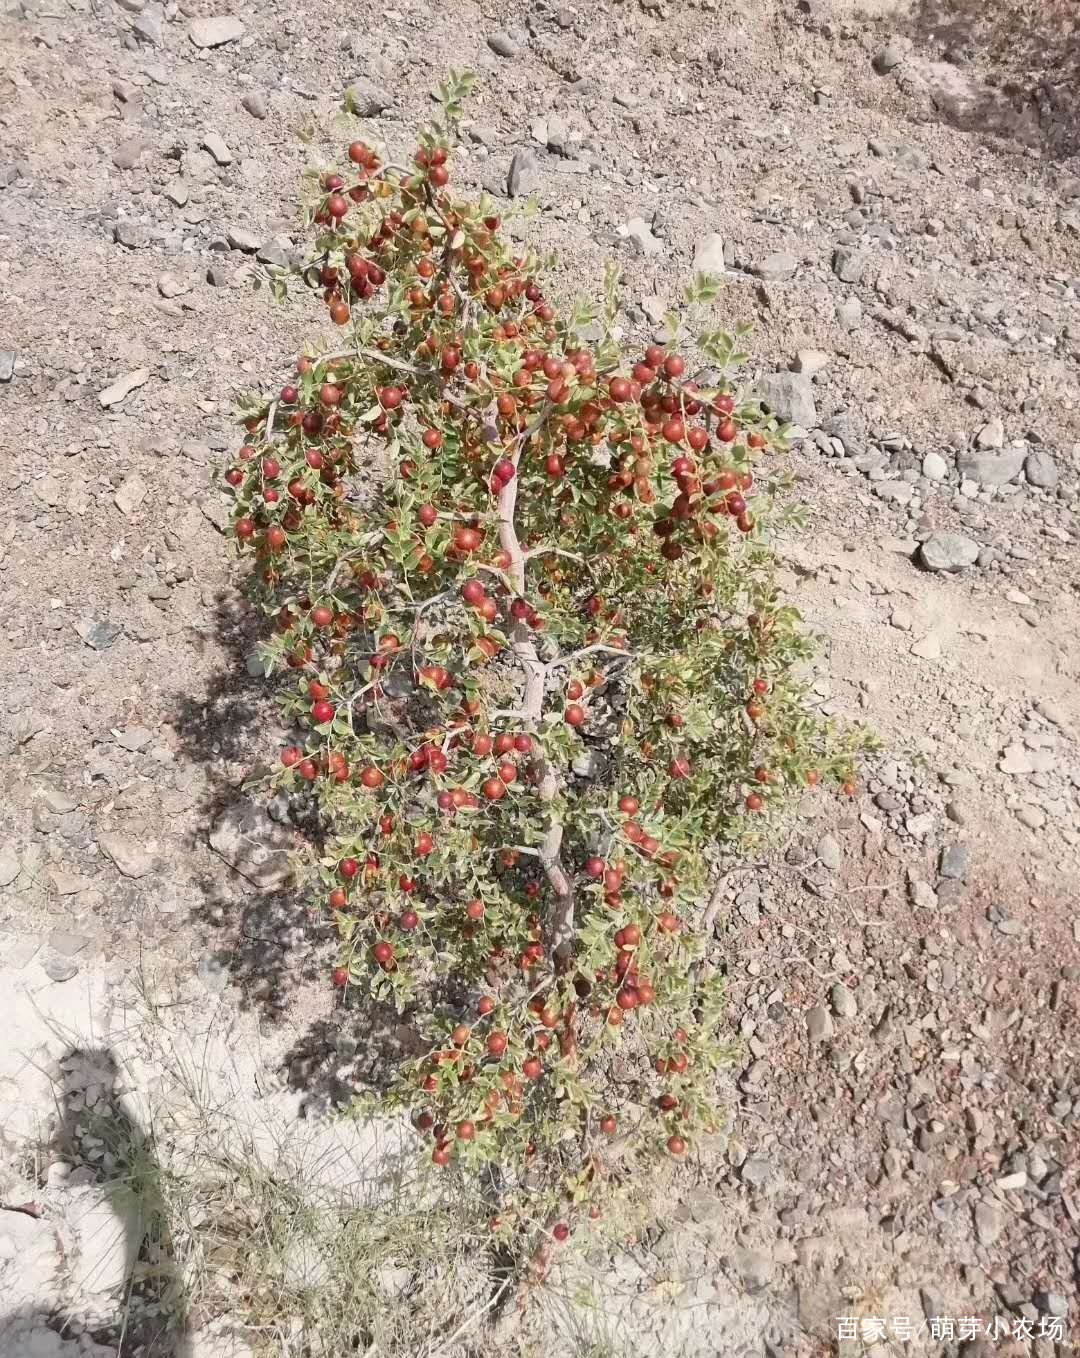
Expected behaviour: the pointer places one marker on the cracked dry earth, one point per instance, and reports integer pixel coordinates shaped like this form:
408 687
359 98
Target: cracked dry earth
905 970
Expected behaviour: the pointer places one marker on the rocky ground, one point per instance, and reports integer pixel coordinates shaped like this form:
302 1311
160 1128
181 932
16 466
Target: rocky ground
905 971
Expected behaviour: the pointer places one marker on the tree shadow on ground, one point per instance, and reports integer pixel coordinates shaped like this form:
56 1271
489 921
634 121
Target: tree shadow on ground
1026 55
114 1213
271 945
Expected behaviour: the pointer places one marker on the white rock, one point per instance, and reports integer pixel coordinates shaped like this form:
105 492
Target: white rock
215 144
991 435
129 857
1016 760
242 238
830 852
215 32
638 230
923 894
132 492
934 467
117 391
709 254
810 361
170 286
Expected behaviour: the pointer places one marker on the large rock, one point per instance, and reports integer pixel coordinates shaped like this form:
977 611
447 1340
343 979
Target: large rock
948 552
790 397
254 845
992 466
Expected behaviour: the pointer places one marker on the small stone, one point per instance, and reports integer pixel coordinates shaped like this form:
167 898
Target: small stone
1031 816
367 98
241 238
934 467
819 1024
129 857
131 235
849 313
68 883
99 636
503 45
755 1171
844 1004
149 27
215 144
639 231
1011 1183
956 862
1051 1303
989 1222
215 32
848 264
134 738
522 176
992 467
1016 759
810 361
132 492
654 308
67 944
776 268
118 391
991 435
1041 469
829 852
709 255
7 364
178 193
275 254
128 154
948 552
888 58
790 397
59 968
923 894
901 619
171 286
255 103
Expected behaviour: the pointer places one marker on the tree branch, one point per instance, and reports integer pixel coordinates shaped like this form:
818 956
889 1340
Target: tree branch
561 921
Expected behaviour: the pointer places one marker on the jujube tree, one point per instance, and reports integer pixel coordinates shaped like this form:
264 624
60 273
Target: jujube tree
525 605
